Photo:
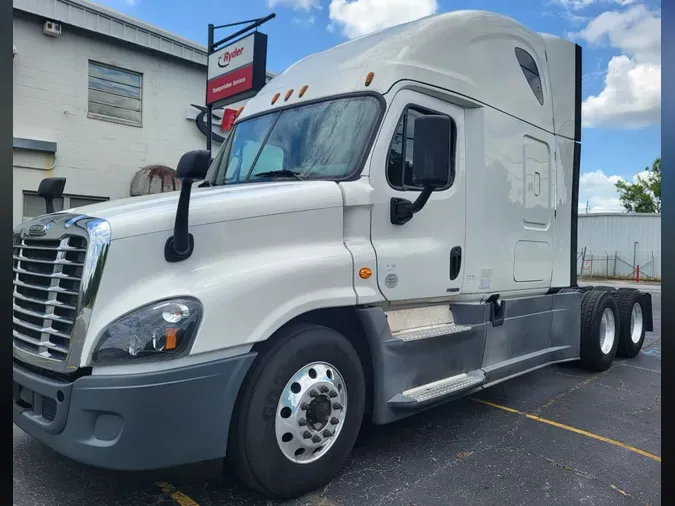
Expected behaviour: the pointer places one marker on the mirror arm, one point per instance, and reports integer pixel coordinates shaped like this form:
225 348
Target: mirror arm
402 210
181 244
49 204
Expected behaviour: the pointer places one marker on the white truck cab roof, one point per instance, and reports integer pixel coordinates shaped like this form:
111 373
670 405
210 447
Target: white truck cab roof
469 52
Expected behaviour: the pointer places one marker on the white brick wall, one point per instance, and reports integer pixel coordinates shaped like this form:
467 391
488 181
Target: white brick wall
98 158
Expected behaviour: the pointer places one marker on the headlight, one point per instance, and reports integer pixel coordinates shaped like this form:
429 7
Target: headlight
158 331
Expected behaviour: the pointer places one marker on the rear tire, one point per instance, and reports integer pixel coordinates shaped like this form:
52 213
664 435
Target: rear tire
604 288
259 449
600 329
632 322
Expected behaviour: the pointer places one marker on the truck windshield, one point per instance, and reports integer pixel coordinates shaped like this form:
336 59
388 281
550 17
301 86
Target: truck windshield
324 140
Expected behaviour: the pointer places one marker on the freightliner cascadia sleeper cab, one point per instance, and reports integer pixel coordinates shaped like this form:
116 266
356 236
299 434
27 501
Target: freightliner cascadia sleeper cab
391 224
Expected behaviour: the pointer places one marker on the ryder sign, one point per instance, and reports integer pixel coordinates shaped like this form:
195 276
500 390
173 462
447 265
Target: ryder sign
237 71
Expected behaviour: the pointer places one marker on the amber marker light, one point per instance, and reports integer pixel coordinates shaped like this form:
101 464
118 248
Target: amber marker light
275 97
288 94
171 339
303 90
369 78
365 273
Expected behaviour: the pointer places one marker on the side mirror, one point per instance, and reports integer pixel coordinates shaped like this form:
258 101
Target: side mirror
431 165
193 165
51 188
431 157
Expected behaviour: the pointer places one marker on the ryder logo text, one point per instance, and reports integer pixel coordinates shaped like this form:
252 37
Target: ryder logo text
227 57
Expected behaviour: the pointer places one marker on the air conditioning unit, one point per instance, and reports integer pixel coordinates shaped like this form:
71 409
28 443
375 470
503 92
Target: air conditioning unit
51 28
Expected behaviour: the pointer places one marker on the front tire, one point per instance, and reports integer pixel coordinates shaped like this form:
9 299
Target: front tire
600 329
299 412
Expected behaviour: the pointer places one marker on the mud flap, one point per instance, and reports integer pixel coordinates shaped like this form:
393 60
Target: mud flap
649 317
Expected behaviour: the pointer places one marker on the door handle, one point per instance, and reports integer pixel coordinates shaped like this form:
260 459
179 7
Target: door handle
455 262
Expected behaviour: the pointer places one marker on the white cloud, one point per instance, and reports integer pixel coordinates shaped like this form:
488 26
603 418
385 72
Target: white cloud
304 5
305 22
359 17
576 5
598 190
632 94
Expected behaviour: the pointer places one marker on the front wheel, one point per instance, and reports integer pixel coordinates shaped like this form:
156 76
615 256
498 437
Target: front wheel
298 413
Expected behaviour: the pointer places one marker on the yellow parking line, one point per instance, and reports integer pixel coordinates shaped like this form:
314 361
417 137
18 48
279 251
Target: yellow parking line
178 496
571 429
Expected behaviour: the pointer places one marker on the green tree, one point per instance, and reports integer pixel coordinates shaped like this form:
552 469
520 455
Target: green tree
643 196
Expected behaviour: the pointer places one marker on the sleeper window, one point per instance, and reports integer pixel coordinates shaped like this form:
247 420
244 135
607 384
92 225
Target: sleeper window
531 72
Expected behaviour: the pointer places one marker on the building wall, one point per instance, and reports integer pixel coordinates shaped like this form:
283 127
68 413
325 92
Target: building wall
616 243
98 158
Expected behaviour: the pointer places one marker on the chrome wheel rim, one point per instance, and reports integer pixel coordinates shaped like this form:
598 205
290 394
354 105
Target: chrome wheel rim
311 412
607 331
636 323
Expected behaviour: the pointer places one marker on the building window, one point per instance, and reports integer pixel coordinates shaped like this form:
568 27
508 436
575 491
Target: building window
531 72
115 94
34 205
399 163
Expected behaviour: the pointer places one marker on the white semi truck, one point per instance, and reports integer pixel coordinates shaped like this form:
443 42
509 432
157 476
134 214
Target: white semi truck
390 225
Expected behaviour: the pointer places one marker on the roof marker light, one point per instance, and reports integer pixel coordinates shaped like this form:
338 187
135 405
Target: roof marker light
303 90
288 94
275 98
369 78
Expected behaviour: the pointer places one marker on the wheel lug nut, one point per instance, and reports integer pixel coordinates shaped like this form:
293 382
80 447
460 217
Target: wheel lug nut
304 406
334 421
313 393
327 433
302 422
337 405
333 394
324 389
316 439
306 434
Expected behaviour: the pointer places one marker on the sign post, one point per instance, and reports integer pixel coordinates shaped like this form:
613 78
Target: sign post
236 70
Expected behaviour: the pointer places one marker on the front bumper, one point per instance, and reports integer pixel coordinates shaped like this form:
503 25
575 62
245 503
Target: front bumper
133 422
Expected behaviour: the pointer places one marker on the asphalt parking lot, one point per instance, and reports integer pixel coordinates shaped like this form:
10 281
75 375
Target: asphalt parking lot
555 436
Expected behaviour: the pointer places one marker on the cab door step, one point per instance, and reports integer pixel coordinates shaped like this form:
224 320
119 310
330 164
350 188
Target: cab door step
438 390
430 331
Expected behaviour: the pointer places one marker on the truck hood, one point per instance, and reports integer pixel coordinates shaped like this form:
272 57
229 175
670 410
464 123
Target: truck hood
156 213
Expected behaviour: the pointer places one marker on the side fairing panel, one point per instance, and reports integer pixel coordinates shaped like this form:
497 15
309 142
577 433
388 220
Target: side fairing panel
564 184
564 62
509 206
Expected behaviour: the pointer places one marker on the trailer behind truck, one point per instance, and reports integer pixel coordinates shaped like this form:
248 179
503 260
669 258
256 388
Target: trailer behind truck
390 225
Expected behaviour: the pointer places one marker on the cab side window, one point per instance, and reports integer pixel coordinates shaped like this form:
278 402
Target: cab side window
400 160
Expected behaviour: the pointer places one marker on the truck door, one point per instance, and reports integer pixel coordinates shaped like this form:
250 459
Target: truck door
423 258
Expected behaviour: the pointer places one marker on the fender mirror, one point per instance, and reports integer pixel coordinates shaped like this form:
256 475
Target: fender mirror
192 167
51 188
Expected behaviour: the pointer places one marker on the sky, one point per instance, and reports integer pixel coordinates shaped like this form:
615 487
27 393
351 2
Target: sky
621 42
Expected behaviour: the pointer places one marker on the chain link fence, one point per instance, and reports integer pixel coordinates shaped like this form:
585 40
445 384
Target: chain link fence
619 264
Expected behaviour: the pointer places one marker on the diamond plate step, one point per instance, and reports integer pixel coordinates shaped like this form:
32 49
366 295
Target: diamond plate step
430 331
438 390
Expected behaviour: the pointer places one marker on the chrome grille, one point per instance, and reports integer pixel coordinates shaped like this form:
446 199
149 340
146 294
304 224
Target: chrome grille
47 278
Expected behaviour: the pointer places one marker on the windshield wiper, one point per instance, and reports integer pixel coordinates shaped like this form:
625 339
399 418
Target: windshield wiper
280 173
